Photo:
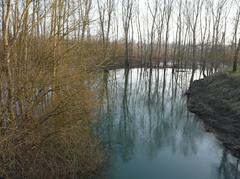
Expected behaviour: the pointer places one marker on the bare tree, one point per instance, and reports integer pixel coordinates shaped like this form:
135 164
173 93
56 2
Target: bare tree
6 64
127 13
169 7
160 29
236 43
153 10
105 11
192 14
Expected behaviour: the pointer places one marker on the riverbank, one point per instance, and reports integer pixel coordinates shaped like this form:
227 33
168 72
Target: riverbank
216 100
138 64
133 64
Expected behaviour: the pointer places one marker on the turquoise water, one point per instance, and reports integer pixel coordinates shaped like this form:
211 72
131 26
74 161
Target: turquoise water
148 132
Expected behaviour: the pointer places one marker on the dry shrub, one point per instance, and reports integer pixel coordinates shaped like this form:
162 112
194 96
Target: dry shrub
51 138
66 154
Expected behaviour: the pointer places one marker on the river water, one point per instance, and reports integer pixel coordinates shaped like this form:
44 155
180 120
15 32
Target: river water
148 132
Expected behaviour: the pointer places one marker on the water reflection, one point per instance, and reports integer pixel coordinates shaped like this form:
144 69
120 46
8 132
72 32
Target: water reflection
149 133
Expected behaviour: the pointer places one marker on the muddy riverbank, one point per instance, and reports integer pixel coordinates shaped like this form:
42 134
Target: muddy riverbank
216 100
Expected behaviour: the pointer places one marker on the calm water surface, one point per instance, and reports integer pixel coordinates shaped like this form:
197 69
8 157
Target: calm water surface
149 133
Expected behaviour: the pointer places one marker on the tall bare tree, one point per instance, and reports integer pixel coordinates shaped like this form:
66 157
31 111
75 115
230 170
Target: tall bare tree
127 13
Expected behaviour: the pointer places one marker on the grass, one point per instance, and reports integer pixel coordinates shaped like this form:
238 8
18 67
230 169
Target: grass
229 72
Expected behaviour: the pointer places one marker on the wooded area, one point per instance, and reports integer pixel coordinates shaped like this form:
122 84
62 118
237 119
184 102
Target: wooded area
51 51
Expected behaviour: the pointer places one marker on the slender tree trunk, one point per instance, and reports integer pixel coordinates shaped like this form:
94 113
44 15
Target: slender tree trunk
235 60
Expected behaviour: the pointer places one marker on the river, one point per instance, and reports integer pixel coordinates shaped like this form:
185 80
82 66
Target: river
149 133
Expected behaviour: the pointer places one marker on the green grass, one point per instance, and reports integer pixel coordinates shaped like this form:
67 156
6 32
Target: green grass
231 73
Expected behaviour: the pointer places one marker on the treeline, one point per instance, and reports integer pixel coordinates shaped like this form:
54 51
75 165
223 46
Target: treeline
198 34
49 50
180 32
185 33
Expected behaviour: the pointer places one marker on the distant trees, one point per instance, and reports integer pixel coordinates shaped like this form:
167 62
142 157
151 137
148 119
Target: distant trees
168 5
127 13
193 9
105 11
236 42
45 42
236 56
183 32
85 7
154 12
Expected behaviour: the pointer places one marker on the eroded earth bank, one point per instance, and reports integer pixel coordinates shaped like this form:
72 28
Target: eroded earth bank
216 100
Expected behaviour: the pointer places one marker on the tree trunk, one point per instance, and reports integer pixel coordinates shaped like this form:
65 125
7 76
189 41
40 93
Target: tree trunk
235 60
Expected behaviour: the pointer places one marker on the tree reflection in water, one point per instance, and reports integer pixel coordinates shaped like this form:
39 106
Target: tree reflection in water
144 118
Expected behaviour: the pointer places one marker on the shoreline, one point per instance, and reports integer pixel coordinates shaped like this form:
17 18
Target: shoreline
138 64
216 100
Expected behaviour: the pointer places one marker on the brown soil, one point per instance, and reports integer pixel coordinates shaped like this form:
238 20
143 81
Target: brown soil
216 100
